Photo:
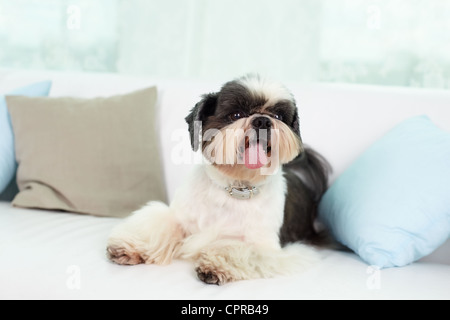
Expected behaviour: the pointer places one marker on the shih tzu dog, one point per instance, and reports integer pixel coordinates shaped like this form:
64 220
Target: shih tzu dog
248 211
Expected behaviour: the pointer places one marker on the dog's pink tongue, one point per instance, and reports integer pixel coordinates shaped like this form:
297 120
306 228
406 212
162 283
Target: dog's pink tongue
255 157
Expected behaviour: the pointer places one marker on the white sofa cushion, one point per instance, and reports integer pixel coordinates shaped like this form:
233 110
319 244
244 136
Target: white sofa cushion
47 255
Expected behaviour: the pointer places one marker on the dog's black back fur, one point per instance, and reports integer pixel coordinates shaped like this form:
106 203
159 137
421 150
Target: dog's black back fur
307 181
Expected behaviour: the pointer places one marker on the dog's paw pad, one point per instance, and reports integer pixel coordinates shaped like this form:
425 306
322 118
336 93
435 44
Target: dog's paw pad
122 256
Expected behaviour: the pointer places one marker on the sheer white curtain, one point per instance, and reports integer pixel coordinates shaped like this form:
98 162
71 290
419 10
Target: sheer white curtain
393 42
59 34
388 42
218 38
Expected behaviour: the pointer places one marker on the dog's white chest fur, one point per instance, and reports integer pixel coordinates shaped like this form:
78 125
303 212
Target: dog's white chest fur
203 204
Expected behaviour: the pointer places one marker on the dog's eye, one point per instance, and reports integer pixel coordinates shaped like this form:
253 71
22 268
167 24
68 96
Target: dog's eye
236 116
278 117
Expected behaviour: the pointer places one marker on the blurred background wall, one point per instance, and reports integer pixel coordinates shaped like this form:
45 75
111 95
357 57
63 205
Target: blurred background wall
385 42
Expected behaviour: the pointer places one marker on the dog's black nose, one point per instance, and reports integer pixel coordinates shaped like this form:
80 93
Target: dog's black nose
262 123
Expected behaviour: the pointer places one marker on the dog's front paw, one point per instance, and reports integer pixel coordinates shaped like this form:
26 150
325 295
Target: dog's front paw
212 275
123 256
209 276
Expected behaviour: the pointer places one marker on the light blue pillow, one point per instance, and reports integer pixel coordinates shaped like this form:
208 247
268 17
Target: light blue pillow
8 163
392 205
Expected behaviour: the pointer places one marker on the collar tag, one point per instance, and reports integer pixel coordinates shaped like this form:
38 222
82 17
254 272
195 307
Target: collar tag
242 193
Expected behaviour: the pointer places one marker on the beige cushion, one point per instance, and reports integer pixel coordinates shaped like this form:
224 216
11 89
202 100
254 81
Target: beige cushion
95 156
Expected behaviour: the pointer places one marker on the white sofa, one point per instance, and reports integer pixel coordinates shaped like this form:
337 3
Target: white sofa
54 255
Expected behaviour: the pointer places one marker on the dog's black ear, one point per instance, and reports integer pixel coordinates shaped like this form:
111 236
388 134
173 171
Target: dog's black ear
202 110
296 124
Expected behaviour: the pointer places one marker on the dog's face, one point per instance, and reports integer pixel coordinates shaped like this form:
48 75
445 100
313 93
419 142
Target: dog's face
249 124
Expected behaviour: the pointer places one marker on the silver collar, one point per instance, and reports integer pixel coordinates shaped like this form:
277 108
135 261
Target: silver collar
242 193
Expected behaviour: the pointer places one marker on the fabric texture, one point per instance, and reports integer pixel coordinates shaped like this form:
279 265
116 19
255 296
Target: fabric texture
392 205
8 164
95 156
